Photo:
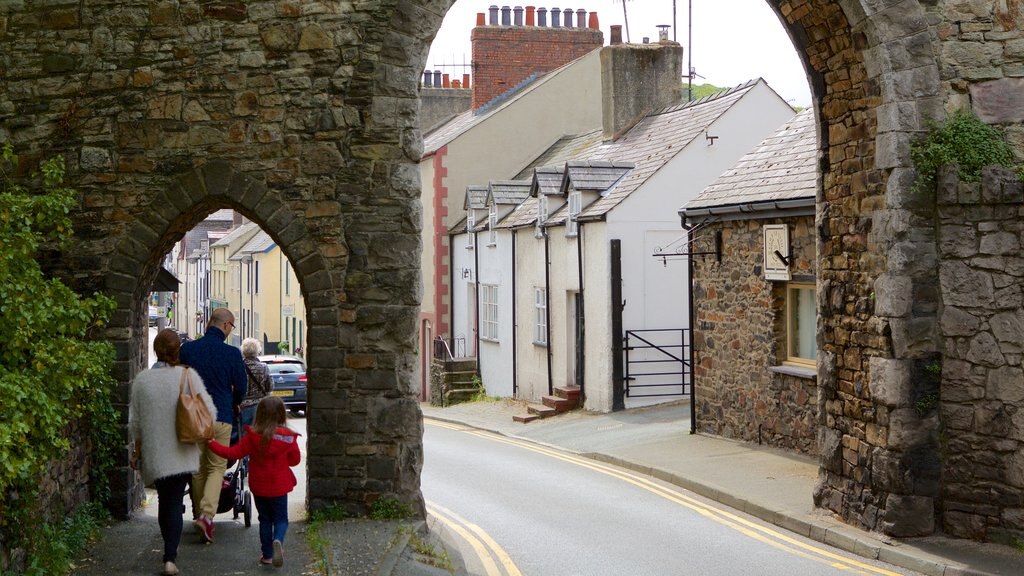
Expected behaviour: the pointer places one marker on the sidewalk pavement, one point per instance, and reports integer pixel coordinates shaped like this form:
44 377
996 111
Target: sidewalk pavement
768 484
655 440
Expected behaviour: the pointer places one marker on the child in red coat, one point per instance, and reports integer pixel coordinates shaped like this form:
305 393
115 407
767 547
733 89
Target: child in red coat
273 449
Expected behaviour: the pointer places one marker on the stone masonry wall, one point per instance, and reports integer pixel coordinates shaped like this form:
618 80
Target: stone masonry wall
981 269
739 335
300 115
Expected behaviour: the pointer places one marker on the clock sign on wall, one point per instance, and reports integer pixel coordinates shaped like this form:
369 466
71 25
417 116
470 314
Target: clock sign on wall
776 252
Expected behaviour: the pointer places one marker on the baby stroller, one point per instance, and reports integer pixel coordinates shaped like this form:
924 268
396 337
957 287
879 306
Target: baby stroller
234 493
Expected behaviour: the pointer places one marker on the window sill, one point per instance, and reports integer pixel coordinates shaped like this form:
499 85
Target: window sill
805 372
540 344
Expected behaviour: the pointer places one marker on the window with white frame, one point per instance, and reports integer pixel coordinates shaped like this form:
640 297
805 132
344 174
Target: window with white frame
542 213
575 202
540 324
470 223
801 324
489 312
287 278
492 224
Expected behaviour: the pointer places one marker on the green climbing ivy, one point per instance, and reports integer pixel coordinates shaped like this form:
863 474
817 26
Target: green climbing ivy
964 140
52 374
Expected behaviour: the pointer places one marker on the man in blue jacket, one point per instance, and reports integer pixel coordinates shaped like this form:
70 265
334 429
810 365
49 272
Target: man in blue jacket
223 372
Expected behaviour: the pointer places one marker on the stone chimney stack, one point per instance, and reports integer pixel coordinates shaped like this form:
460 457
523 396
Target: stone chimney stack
637 79
505 55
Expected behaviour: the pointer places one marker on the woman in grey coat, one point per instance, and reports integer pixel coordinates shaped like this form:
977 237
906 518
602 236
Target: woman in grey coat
165 463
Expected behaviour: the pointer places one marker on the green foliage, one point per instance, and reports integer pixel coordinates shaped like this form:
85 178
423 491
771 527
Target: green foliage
388 508
702 90
963 140
51 374
60 543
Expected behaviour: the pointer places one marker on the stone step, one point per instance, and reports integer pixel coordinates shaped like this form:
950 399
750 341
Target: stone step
568 392
460 395
539 410
558 404
463 365
525 418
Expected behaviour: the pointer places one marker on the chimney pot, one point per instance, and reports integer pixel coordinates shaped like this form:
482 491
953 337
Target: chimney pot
592 24
506 16
581 18
542 17
555 23
437 78
481 19
647 40
445 81
531 16
567 17
616 34
663 32
517 15
456 84
493 10
428 78
465 81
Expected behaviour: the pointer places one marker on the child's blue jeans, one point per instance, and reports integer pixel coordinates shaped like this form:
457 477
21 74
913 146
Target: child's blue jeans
273 521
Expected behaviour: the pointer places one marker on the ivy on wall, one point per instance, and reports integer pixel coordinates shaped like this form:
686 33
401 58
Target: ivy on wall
52 373
962 140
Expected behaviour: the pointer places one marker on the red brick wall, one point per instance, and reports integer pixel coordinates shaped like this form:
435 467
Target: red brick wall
504 56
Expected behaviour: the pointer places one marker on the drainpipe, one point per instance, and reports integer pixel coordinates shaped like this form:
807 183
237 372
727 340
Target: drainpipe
515 317
547 304
693 323
618 378
582 318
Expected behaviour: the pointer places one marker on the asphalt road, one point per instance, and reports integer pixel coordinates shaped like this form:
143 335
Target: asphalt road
550 513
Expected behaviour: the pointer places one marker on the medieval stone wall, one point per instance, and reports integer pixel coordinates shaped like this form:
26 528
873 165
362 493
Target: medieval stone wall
300 115
981 401
740 334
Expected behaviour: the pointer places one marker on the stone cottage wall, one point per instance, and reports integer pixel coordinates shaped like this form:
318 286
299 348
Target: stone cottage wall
981 271
739 337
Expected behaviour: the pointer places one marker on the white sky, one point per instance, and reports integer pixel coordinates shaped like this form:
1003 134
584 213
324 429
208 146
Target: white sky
733 40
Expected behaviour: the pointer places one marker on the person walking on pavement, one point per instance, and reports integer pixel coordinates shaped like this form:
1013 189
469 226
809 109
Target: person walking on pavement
273 449
223 371
260 383
166 463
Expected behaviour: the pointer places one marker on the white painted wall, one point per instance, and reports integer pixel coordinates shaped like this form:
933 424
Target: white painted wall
495 358
463 324
531 358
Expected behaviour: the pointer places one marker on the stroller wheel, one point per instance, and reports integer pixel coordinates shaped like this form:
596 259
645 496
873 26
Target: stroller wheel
248 509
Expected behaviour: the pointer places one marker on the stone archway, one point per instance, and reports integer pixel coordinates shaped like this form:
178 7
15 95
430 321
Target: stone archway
303 115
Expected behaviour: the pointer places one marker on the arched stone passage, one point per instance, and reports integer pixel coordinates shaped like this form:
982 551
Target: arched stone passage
303 116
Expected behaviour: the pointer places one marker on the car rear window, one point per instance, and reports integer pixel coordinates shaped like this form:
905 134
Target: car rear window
286 368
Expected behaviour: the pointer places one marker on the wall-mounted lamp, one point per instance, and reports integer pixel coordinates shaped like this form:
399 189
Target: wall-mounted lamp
467 273
711 139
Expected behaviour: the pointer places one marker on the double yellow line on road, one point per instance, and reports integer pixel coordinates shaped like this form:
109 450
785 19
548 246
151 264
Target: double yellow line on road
491 554
754 530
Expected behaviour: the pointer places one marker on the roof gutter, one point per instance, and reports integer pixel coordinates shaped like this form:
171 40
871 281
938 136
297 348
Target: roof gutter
769 209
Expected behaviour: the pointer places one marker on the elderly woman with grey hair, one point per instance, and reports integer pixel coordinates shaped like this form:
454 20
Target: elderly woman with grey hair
260 383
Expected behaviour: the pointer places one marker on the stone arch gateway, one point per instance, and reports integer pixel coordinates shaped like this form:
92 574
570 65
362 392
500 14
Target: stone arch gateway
302 115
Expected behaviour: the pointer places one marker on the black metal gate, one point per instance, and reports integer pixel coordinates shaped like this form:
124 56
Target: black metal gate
658 363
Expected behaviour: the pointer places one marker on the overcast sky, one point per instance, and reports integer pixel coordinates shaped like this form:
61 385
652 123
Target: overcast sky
733 40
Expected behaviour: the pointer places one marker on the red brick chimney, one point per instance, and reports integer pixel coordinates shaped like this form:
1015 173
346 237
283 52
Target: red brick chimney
504 55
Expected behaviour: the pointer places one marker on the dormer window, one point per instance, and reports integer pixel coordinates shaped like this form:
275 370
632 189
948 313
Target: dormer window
470 223
492 224
575 206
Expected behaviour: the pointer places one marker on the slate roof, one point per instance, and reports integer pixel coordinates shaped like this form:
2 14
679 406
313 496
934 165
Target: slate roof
547 180
261 242
594 175
563 150
656 139
505 192
234 234
782 167
524 215
476 198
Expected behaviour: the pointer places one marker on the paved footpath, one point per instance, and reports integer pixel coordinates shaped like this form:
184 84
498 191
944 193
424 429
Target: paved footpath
765 483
